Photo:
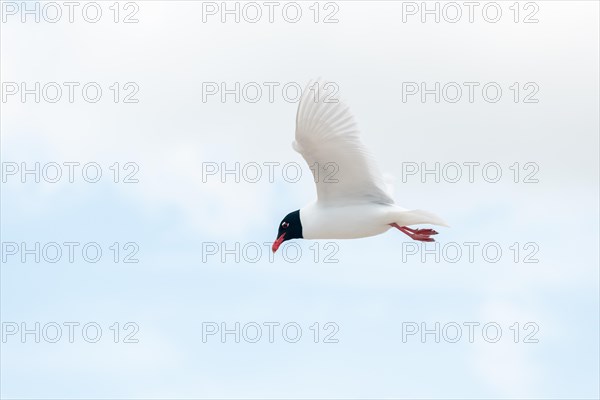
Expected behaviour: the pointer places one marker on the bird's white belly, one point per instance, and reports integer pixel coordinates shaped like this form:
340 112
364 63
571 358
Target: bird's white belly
345 222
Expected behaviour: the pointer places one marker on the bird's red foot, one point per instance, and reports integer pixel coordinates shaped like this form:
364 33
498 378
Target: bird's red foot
422 238
422 235
426 232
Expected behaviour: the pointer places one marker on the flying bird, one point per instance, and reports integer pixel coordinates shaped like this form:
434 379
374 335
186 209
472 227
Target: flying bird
354 200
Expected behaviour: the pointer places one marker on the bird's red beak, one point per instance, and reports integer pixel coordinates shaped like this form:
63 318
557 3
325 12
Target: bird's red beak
278 242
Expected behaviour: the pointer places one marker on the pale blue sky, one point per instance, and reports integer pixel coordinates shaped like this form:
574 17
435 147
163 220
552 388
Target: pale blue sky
370 292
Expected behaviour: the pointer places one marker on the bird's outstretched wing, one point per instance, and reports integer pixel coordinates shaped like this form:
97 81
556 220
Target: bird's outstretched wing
327 137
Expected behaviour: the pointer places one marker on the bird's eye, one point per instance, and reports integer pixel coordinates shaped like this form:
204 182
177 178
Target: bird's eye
285 224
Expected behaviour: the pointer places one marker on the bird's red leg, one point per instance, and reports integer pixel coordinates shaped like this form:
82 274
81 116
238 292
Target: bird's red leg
422 235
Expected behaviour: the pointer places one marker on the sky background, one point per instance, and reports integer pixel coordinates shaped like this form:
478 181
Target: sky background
376 287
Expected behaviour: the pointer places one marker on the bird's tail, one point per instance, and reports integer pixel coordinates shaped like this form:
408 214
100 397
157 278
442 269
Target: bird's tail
415 217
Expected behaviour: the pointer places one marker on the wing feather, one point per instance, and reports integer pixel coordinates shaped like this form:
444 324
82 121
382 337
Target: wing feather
328 138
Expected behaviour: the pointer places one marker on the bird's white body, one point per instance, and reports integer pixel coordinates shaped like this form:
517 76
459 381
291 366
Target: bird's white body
358 220
345 222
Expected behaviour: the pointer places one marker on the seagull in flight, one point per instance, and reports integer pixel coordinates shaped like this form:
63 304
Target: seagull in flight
354 200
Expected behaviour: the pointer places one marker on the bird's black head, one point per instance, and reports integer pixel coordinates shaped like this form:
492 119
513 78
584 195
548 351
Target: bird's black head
289 228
